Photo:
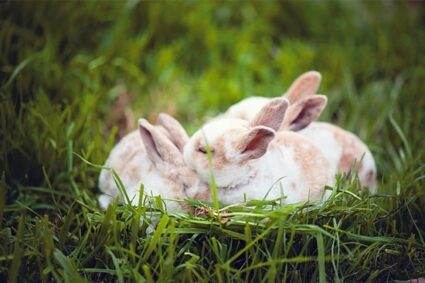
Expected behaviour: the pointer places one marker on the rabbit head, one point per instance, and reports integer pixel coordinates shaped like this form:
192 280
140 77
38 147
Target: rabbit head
233 143
150 156
166 156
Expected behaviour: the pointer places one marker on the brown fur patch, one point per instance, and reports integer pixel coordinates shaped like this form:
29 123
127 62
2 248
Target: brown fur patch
312 164
133 173
219 157
352 151
204 195
198 156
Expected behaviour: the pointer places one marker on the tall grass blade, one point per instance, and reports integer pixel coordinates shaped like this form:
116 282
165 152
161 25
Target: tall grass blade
2 197
402 137
321 258
156 237
18 252
118 270
70 271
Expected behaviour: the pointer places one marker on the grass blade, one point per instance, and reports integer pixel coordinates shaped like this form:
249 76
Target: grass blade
156 236
18 252
2 197
118 270
321 258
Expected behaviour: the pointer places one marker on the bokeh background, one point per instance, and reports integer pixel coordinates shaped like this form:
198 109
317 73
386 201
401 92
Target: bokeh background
75 76
72 70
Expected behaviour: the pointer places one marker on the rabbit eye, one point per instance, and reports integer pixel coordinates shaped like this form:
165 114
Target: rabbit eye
203 150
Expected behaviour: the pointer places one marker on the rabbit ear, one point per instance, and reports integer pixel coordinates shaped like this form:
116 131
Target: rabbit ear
272 114
254 144
302 113
158 147
305 85
174 130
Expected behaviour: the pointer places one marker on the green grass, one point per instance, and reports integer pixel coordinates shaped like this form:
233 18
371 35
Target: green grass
63 66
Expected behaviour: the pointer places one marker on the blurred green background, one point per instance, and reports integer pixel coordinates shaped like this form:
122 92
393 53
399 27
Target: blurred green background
71 71
64 66
75 76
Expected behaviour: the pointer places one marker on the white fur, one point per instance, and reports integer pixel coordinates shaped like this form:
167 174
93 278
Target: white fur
268 177
326 142
246 108
323 135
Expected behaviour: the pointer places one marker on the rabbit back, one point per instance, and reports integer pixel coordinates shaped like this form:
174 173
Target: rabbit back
344 150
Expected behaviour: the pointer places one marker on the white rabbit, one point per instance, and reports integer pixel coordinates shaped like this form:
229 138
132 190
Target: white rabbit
151 156
344 149
250 161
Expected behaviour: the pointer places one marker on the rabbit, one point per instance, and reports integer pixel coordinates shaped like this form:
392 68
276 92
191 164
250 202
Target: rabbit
250 160
152 156
344 149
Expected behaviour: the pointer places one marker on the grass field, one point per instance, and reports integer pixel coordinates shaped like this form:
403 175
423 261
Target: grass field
74 74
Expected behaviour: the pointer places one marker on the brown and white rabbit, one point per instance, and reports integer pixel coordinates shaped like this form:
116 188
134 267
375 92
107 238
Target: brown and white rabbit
151 156
345 150
251 161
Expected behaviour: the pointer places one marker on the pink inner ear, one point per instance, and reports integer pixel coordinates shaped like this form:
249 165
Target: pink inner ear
149 141
306 115
258 142
311 110
255 142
